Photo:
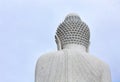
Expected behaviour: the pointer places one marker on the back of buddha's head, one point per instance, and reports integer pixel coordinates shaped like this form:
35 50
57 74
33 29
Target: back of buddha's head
72 31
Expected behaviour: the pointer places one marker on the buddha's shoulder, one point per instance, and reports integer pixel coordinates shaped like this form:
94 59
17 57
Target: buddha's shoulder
101 63
46 57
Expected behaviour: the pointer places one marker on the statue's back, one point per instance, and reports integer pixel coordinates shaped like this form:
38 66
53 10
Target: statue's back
69 66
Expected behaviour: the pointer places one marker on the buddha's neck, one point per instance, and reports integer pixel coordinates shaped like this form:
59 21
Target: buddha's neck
75 47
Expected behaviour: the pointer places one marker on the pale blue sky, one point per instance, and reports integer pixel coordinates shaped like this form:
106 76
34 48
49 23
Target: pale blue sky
27 29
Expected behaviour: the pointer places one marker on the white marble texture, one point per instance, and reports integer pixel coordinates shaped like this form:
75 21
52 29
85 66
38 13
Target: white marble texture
72 64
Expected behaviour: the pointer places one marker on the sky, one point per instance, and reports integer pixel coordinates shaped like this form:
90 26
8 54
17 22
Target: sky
27 29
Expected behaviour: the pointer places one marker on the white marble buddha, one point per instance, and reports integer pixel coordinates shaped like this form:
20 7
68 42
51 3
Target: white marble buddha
72 62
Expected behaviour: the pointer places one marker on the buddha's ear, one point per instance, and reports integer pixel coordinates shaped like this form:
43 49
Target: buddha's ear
58 42
87 49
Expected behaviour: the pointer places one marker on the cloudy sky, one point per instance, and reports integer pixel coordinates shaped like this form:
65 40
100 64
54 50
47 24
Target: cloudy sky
27 29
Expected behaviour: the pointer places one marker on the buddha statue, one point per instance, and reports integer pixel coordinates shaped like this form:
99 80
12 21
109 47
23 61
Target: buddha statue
72 61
